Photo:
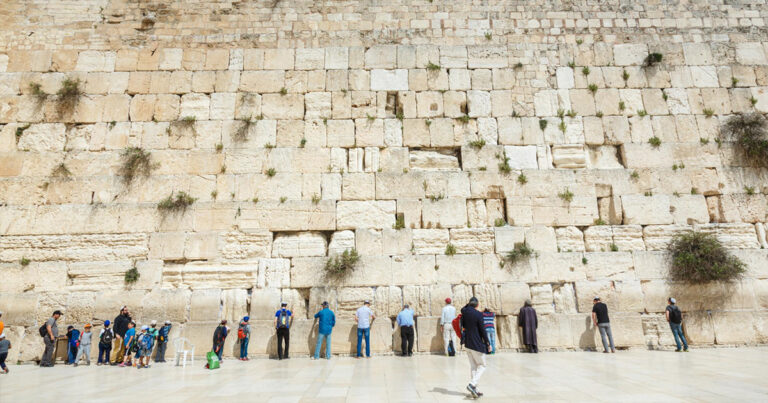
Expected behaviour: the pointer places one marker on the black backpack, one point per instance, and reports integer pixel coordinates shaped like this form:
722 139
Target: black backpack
675 316
43 331
106 338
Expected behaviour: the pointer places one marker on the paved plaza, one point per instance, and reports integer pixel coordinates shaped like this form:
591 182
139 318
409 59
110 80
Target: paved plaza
724 374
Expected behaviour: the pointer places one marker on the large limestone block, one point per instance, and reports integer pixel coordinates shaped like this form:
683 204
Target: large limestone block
433 161
512 296
234 305
732 235
598 238
205 305
389 80
96 276
689 209
293 215
459 269
20 309
414 269
628 237
521 157
274 273
553 211
554 331
445 213
657 237
341 241
645 210
472 240
264 303
417 297
699 297
629 54
430 241
429 334
570 239
728 329
569 156
299 245
650 265
204 275
611 265
542 298
365 214
245 244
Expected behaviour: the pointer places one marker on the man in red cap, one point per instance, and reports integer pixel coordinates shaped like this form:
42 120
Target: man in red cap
446 321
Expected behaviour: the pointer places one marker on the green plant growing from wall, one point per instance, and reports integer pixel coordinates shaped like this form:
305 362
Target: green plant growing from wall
654 141
522 179
178 204
399 221
24 262
750 133
518 253
499 222
450 250
543 124
271 172
135 163
653 59
243 129
132 275
698 257
342 264
36 90
433 67
68 96
566 195
477 144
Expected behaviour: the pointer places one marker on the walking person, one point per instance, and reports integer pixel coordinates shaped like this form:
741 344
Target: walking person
50 332
219 336
406 322
84 345
476 341
106 336
490 328
120 326
601 321
283 322
327 320
364 317
244 335
446 321
5 345
528 322
162 341
675 319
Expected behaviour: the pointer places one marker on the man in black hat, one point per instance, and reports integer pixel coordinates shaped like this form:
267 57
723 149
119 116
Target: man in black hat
476 341
50 333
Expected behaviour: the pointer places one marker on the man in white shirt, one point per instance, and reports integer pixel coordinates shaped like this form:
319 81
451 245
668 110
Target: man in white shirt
446 321
364 316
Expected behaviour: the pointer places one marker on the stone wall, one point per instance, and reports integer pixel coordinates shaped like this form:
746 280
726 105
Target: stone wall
305 128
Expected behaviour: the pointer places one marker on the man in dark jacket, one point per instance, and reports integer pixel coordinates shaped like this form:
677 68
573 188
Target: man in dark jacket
120 326
475 339
528 322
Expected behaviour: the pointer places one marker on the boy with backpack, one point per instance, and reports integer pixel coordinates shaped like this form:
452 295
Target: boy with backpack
5 345
73 341
219 336
106 336
144 344
84 345
162 341
128 342
243 335
283 322
675 319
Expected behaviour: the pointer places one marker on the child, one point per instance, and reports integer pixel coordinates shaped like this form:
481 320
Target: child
5 345
128 341
85 345
73 338
144 347
106 336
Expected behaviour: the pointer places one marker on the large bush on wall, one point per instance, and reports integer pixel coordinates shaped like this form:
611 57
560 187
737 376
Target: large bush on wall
749 131
697 257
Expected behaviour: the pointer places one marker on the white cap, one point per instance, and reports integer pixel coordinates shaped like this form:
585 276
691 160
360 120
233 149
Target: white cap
672 300
145 327
2 336
167 322
154 322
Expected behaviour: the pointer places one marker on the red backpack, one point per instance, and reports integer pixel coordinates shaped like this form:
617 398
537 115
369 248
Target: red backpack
457 325
241 333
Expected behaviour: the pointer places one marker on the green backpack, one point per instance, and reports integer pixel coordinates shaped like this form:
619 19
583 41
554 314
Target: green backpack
213 360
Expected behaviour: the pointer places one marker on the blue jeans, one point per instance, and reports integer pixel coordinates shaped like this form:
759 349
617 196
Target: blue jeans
244 347
492 338
367 333
677 331
327 338
104 351
71 353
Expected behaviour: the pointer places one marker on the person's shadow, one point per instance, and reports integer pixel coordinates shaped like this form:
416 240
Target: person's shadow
444 391
587 339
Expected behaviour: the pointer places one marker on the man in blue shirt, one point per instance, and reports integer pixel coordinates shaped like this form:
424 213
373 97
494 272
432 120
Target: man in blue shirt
283 321
405 321
327 321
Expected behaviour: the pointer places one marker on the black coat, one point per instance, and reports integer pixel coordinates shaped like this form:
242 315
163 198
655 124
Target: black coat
475 337
121 325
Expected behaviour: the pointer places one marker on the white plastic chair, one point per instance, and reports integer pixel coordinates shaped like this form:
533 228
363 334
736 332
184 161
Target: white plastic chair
183 347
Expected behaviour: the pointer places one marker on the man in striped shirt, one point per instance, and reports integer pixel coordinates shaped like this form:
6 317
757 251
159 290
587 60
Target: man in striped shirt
490 328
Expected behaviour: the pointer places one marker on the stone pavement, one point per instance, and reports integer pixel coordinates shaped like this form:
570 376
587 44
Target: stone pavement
723 374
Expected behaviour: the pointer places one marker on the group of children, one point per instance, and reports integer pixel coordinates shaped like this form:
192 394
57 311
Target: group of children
138 347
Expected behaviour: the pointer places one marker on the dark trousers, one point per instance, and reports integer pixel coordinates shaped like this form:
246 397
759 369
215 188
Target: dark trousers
3 356
47 360
283 334
406 340
160 352
218 348
104 350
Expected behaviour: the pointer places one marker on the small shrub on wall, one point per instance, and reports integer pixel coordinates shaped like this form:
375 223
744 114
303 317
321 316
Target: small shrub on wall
341 265
697 257
750 133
